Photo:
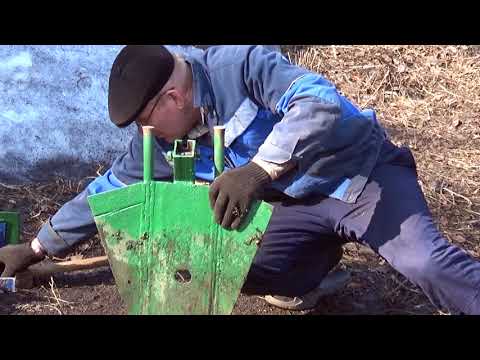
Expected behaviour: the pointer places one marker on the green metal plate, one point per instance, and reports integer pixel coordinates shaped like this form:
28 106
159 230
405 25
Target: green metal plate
157 234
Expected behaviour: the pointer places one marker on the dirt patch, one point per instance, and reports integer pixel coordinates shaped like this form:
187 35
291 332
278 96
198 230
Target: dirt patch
426 96
375 289
88 293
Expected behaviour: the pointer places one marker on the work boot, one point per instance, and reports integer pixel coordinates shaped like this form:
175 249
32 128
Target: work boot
333 282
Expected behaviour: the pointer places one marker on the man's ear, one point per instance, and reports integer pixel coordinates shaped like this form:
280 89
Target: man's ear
177 98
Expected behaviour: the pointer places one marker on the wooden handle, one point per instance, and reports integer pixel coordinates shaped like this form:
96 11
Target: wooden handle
82 264
48 267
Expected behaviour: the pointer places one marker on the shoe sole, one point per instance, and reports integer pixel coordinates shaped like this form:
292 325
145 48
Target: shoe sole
330 285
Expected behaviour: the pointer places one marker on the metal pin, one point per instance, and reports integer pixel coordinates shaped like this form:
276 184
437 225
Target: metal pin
147 153
219 149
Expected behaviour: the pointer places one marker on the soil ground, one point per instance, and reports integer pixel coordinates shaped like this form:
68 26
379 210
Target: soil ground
374 289
428 99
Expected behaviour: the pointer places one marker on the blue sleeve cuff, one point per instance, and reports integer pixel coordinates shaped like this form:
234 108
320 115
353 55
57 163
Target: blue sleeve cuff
106 182
51 242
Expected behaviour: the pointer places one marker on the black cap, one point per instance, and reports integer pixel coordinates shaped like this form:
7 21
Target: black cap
138 73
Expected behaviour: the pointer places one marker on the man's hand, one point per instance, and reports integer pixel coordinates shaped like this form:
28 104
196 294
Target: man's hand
16 258
232 193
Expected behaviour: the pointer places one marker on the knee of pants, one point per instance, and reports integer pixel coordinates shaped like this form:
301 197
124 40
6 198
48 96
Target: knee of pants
304 274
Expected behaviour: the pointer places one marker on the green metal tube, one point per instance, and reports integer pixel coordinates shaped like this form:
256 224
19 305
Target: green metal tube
219 149
147 154
184 161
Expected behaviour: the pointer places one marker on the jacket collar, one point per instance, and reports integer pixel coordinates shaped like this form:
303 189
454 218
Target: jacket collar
202 88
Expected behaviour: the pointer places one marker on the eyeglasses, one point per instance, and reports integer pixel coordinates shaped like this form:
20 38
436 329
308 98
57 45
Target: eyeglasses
142 123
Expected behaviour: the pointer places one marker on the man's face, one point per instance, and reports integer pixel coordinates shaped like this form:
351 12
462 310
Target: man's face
171 114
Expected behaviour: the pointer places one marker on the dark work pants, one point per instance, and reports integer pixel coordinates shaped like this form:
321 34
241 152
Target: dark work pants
390 216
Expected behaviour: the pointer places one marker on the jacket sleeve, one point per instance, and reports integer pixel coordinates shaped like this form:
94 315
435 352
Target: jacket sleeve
314 114
73 222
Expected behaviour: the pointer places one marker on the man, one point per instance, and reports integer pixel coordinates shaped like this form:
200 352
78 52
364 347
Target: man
291 139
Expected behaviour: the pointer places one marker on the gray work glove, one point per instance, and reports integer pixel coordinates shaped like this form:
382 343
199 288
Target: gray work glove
16 258
232 193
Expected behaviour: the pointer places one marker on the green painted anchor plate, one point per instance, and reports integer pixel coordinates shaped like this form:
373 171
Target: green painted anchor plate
167 253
